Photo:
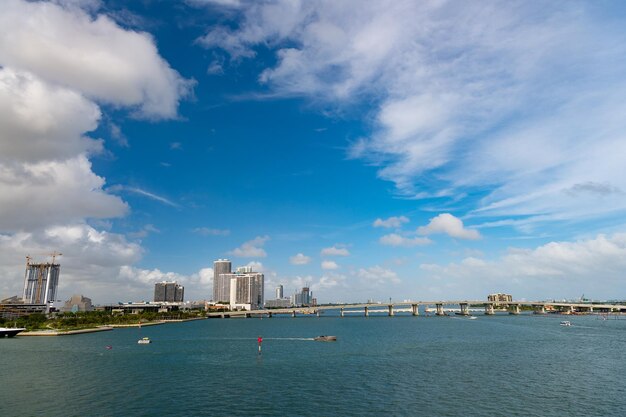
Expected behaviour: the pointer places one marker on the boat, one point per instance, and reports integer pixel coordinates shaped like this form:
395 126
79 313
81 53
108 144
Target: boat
144 341
325 338
10 331
472 317
566 323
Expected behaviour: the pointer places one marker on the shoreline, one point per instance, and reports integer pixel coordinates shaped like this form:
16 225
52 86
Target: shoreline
101 328
64 332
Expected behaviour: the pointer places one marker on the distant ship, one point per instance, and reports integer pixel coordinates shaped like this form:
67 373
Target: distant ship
10 332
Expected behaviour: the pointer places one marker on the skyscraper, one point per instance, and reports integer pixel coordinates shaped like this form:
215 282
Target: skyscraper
169 292
40 282
279 292
247 289
221 285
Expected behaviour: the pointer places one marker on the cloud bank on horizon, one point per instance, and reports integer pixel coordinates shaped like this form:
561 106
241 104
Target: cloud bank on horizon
492 120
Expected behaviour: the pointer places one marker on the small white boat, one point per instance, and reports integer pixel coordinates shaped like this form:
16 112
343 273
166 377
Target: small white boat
144 341
472 317
325 338
566 323
10 331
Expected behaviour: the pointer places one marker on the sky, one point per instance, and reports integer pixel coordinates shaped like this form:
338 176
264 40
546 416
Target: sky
371 150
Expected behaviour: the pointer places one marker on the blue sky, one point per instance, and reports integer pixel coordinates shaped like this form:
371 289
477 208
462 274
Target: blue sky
370 149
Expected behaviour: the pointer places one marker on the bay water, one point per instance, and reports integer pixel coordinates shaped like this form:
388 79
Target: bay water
526 365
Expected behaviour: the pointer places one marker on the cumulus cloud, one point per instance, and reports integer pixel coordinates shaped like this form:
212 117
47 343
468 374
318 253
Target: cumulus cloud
252 248
57 63
394 239
33 195
555 270
329 265
65 46
299 259
450 225
391 222
336 250
377 275
467 96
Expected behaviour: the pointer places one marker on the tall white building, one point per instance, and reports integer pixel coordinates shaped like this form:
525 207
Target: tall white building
221 285
279 292
246 289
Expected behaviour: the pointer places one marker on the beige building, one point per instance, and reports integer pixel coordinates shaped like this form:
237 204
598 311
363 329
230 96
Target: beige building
500 298
77 303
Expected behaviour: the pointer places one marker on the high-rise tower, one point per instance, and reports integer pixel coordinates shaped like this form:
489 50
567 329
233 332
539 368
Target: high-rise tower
40 282
221 285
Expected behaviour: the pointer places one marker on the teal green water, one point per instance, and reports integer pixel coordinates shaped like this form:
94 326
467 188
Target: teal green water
504 365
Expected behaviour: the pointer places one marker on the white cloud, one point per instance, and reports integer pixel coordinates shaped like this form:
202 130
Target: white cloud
207 231
469 96
555 270
391 222
336 250
450 225
198 286
329 265
394 239
377 275
43 122
65 46
33 195
139 191
299 259
252 248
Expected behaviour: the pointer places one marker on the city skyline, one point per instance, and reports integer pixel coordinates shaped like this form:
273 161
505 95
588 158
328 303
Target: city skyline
364 150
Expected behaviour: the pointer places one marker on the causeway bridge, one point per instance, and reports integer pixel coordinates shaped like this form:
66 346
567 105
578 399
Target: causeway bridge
490 308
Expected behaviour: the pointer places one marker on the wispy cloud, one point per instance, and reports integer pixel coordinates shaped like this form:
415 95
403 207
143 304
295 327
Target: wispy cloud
139 191
207 231
468 96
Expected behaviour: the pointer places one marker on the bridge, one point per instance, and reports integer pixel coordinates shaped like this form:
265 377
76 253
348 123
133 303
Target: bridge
490 307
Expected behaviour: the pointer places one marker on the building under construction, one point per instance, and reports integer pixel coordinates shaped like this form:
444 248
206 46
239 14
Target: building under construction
41 282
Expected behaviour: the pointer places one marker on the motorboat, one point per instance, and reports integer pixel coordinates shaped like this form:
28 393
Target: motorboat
472 318
10 331
566 323
325 338
144 341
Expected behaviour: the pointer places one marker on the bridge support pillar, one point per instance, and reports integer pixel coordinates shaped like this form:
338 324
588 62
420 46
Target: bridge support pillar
391 313
541 309
571 309
317 313
591 309
248 315
293 314
341 312
464 309
440 311
489 310
367 312
414 309
269 315
515 310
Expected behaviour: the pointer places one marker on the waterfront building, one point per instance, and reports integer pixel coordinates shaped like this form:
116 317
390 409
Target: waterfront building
77 303
500 298
168 292
279 292
40 282
278 303
246 289
304 298
221 285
